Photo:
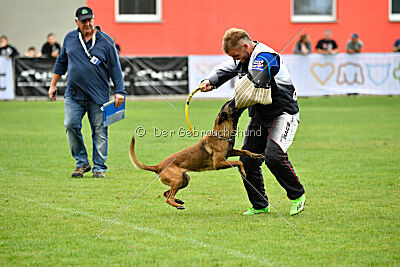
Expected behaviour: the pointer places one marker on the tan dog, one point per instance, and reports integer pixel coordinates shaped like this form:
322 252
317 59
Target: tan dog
209 153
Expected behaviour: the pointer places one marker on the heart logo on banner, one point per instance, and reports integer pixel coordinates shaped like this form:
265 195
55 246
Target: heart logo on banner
322 72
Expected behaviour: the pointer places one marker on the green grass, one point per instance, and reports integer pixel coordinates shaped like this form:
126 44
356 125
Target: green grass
346 153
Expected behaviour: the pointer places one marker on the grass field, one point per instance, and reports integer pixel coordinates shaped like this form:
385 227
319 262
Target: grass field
346 153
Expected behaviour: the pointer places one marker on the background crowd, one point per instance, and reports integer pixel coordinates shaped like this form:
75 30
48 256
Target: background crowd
325 46
328 46
49 49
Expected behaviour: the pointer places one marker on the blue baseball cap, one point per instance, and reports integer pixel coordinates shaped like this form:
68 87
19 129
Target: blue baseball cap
354 35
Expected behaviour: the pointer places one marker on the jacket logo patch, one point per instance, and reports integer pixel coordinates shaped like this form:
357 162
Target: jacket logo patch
258 65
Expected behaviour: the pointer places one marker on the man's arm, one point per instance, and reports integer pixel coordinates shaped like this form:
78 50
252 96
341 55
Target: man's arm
358 49
297 48
62 61
116 75
348 48
60 68
309 47
53 87
205 86
219 76
335 48
15 52
264 68
319 49
57 51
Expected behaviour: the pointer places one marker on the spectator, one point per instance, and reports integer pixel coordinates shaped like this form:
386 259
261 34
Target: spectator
354 45
51 48
326 45
396 47
303 46
31 52
89 56
6 49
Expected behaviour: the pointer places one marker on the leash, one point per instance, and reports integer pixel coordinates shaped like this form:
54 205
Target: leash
187 109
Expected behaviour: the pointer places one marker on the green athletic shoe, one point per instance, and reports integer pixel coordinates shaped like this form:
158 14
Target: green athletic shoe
297 205
253 211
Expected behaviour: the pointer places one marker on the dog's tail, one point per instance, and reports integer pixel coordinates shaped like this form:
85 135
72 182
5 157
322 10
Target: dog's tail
136 162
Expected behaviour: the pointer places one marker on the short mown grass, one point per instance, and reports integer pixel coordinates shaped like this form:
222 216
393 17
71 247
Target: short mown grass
346 153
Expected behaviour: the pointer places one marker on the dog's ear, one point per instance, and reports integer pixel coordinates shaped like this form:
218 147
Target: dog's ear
222 117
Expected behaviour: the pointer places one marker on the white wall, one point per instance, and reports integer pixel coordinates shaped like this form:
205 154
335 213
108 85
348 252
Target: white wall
27 22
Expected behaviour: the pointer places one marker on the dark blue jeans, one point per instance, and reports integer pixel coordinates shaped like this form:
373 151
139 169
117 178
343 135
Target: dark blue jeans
75 110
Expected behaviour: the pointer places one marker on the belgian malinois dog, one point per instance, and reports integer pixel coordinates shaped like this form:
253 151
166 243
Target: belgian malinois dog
210 153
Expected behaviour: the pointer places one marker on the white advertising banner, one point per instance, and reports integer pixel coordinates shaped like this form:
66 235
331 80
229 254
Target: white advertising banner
6 79
315 75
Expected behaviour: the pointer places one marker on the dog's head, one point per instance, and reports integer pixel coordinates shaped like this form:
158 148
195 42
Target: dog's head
229 112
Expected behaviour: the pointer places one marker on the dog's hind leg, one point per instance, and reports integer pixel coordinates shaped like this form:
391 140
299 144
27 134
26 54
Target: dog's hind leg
166 193
174 178
171 196
185 180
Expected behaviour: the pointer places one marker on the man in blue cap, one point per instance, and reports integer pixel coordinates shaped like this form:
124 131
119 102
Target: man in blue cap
354 45
90 58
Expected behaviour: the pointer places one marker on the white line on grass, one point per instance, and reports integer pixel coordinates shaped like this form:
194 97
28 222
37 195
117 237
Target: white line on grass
148 230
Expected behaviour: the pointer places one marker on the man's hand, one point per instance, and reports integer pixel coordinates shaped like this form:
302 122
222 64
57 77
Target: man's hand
119 99
55 53
53 93
53 88
205 86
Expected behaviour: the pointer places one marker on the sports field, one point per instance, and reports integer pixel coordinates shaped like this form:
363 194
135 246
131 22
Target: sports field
346 153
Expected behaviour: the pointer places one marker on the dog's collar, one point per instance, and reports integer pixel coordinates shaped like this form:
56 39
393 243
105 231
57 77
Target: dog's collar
230 140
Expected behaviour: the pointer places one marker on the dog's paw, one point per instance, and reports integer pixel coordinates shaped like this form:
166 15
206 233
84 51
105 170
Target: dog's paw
242 173
180 207
179 201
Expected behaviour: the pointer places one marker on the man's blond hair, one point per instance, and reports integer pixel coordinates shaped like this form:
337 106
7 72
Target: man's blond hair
233 38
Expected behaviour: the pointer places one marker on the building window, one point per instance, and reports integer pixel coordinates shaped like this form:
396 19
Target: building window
313 10
394 10
138 10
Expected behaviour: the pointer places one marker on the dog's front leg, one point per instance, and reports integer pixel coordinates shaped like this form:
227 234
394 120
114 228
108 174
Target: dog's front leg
221 163
246 153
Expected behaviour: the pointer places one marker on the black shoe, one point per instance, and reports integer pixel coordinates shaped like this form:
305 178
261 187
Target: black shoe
79 171
99 175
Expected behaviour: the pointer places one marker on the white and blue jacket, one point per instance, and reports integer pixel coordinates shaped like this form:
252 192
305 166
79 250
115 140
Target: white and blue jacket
265 69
